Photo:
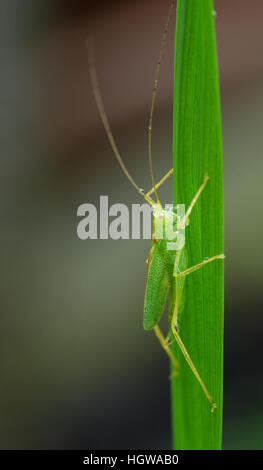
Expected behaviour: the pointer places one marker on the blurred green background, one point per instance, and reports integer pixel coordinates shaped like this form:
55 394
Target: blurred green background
77 369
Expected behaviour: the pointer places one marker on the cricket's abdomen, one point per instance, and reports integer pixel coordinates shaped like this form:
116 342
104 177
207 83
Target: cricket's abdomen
157 286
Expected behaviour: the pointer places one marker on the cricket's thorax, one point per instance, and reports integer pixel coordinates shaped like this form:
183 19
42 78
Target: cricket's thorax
166 223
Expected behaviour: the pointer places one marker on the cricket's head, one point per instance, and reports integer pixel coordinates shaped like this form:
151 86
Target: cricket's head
170 215
158 216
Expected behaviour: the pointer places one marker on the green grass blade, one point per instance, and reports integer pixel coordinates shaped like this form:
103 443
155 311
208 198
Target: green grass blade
198 150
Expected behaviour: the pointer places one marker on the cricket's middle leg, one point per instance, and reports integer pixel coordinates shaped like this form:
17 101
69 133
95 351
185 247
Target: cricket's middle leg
198 266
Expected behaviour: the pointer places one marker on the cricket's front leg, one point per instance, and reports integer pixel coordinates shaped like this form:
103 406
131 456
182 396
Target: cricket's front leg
169 173
198 266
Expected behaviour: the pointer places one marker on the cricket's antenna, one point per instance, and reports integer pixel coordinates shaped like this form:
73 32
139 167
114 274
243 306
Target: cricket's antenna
157 72
100 105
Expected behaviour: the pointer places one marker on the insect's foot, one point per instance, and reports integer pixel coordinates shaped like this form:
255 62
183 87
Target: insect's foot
174 374
213 408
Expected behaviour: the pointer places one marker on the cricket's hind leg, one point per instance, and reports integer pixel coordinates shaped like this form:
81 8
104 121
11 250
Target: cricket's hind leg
165 345
198 266
173 321
192 367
